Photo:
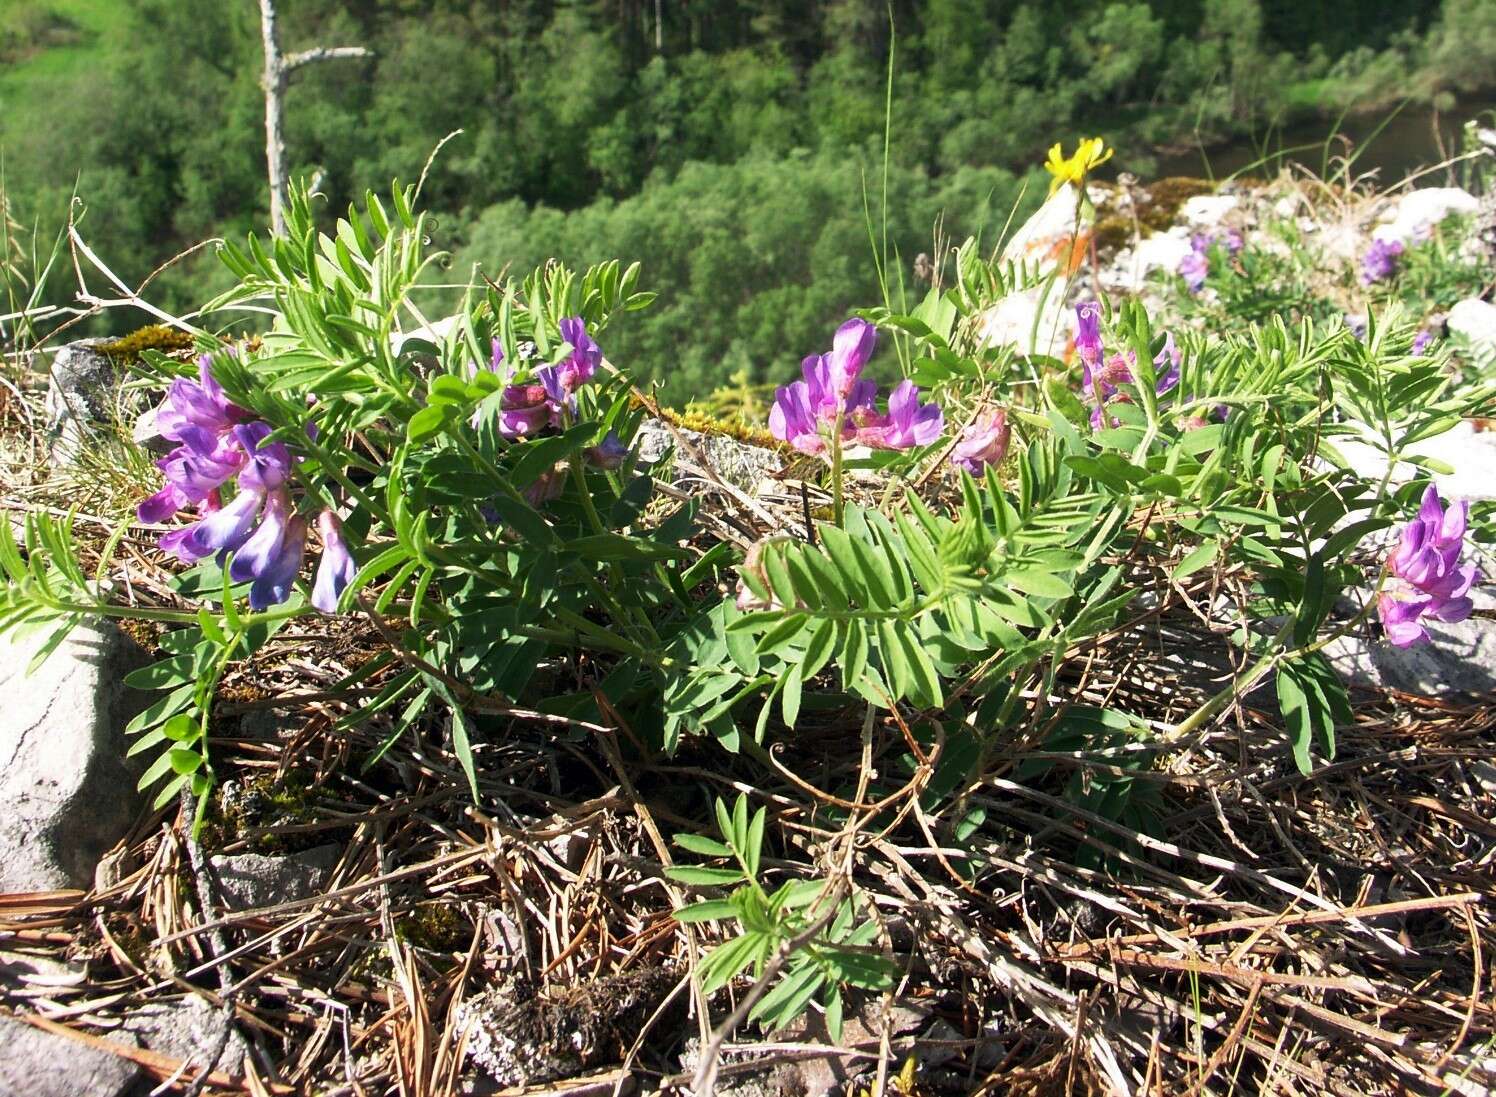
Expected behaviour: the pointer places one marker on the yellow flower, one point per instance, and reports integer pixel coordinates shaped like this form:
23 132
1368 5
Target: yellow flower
1091 153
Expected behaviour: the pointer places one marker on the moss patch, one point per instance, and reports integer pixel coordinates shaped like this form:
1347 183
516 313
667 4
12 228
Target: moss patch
127 349
241 810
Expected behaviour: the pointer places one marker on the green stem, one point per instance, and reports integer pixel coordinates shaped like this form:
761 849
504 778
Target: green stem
837 504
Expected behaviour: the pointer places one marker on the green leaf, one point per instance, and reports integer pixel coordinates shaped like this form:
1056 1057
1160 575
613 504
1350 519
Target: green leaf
706 847
1043 584
711 910
428 423
1202 555
703 876
183 760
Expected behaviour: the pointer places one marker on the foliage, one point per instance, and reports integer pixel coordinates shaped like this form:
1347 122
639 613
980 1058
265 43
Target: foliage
827 944
590 132
527 571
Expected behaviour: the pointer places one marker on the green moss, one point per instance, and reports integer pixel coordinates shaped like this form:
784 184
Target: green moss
1164 198
237 812
128 348
1113 232
436 927
730 427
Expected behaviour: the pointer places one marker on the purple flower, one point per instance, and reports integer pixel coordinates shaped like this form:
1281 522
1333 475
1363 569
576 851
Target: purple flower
577 369
794 418
263 547
222 531
852 346
1426 575
336 569
197 413
267 466
1088 336
983 442
1356 325
609 453
523 410
1380 261
908 422
1170 353
1194 267
1421 342
273 584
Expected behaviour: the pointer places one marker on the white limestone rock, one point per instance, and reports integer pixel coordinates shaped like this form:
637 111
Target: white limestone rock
82 394
1469 452
1206 211
186 1029
1161 251
1418 212
68 793
1474 322
1458 661
1029 323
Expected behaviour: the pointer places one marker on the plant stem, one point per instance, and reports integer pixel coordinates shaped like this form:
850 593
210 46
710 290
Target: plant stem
837 503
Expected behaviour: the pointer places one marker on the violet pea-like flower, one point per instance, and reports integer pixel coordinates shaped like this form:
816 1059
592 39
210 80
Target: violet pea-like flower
267 466
609 453
225 530
1380 261
197 413
263 546
1169 356
336 568
908 422
273 584
794 419
577 368
1195 266
1088 336
851 348
983 442
1426 577
523 410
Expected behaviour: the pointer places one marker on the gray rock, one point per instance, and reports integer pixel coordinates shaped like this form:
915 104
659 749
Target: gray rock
737 463
82 393
187 1029
250 880
1460 659
37 1063
68 793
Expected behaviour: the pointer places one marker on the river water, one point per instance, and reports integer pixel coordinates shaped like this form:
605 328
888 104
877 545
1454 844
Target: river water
1393 144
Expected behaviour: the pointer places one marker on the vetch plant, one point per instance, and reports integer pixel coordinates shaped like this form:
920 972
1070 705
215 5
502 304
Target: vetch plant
1424 573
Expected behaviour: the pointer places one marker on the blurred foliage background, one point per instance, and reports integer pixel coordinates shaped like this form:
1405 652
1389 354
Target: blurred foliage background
735 147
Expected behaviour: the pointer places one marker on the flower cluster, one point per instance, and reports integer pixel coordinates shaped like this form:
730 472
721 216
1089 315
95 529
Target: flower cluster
1380 261
1195 266
1103 381
218 442
530 404
806 413
1426 577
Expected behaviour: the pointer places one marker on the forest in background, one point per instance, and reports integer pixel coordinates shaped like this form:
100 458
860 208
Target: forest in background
734 147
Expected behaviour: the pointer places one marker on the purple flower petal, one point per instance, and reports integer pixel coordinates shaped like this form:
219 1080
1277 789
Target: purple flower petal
263 547
273 584
336 569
